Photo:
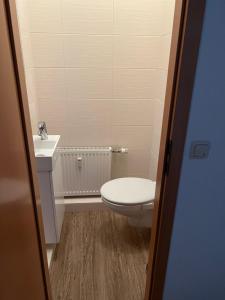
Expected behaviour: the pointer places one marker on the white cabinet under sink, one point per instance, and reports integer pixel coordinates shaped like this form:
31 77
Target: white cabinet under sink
51 188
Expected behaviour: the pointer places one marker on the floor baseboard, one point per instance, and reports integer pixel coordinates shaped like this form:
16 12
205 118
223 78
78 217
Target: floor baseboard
84 204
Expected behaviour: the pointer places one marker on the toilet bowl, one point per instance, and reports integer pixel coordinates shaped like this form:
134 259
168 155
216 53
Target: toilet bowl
132 197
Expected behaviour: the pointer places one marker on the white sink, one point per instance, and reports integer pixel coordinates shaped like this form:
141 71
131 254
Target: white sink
45 151
45 147
49 172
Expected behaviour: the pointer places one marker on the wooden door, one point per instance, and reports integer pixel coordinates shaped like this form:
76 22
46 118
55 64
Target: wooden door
22 260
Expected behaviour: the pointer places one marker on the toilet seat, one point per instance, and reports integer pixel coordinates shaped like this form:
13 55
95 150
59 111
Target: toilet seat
129 191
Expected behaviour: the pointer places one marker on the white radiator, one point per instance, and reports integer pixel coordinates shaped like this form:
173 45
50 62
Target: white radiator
85 169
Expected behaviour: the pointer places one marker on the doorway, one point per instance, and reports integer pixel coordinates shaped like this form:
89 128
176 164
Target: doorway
176 45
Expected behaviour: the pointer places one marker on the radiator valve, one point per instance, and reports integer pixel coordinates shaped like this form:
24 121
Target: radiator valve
120 150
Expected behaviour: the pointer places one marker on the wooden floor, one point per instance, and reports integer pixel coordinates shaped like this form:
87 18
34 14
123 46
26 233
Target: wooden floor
100 257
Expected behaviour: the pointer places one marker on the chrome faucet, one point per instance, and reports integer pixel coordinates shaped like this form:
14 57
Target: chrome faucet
42 130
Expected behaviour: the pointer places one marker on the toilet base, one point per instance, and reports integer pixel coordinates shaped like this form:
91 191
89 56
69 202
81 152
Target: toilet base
138 215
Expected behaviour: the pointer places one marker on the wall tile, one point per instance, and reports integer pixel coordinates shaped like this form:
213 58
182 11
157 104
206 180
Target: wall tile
33 109
89 83
93 113
139 83
31 86
165 44
88 51
139 164
141 51
119 166
92 17
45 16
156 135
23 16
26 50
53 115
23 22
138 141
47 50
132 136
75 50
143 17
100 83
76 83
88 135
50 83
100 51
132 112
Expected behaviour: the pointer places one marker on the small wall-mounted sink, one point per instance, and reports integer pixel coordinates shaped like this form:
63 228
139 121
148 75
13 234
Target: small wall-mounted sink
49 171
45 147
45 151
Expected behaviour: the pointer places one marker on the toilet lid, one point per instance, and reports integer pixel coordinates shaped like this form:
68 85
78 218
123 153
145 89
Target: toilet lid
129 191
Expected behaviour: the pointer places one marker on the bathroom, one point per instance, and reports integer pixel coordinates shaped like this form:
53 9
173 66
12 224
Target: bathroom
96 73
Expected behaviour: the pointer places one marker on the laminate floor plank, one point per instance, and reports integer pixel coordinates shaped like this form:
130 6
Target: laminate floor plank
99 257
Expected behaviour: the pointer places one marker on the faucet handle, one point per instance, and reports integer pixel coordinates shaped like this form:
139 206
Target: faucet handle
42 130
42 125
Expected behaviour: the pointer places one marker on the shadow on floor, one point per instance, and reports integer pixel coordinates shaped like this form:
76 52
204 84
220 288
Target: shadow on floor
128 238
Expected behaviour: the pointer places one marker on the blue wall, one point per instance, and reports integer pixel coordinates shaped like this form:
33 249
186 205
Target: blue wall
196 267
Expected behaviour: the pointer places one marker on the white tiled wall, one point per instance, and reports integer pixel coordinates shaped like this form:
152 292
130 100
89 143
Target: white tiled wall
100 73
27 51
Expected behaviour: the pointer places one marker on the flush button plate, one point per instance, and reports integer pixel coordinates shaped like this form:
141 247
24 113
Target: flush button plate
199 150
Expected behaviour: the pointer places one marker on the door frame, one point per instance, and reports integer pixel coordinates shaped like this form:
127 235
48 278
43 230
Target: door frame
186 36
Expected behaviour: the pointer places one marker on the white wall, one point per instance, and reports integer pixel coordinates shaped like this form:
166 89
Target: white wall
24 30
100 70
196 268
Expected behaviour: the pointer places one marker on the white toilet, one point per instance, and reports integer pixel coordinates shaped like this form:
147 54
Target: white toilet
132 197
